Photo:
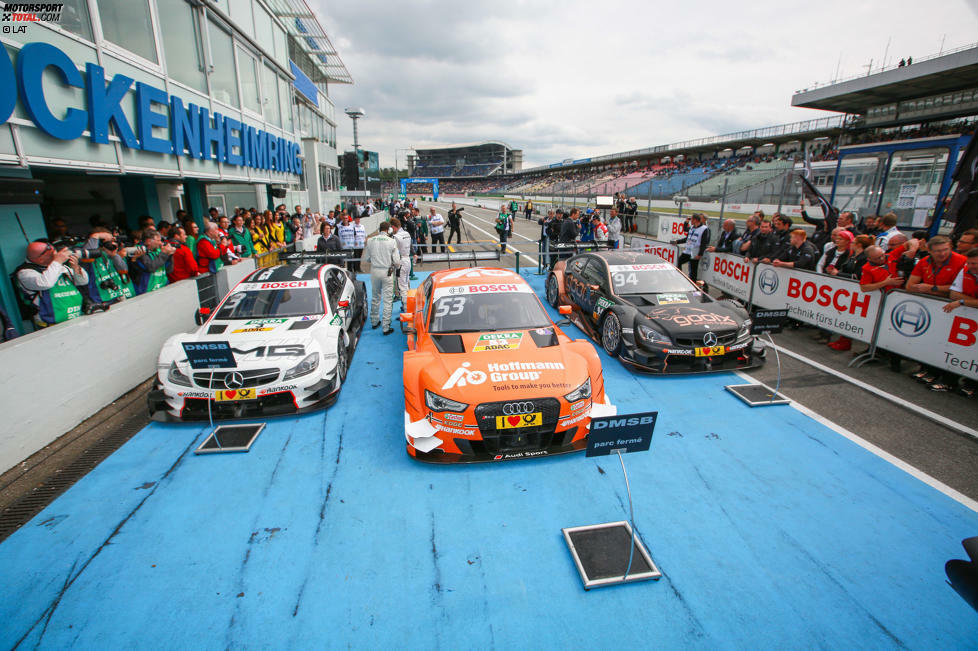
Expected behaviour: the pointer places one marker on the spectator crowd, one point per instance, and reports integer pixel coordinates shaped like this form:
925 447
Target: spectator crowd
65 276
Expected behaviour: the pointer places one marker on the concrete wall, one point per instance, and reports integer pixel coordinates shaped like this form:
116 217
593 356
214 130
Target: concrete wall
55 378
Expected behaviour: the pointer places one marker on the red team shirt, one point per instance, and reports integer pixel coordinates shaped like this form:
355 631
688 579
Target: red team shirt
943 275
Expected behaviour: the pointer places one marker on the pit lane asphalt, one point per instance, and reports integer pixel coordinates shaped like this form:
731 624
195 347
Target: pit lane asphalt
943 453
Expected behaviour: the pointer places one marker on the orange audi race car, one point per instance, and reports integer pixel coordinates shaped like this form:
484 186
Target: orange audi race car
488 376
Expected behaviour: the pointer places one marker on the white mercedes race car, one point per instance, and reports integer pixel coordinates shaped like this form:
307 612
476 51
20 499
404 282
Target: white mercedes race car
293 330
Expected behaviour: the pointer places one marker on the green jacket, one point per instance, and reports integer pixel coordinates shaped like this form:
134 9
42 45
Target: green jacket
243 240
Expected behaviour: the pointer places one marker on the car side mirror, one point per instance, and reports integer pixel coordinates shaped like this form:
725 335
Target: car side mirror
701 284
409 305
343 305
565 310
201 315
406 317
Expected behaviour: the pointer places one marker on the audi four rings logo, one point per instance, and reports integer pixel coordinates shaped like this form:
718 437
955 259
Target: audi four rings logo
234 380
710 339
767 280
517 408
910 318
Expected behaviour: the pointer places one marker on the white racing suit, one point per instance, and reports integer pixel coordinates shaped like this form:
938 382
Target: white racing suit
403 241
381 253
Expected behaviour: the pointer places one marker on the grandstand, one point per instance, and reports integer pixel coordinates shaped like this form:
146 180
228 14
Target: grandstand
936 97
466 160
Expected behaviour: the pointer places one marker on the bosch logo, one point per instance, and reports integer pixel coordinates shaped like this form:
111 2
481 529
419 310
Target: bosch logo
910 318
234 380
767 281
517 408
710 339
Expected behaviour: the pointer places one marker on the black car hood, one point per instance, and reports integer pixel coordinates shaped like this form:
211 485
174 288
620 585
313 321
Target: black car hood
696 316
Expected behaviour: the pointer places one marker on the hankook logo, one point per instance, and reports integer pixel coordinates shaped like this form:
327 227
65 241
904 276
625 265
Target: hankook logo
517 408
710 339
767 280
234 380
910 318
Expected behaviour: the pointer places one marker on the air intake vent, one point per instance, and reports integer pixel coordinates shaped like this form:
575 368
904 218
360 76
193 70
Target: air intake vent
302 325
216 329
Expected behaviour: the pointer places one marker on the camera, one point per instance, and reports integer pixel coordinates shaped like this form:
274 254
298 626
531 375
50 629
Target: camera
109 285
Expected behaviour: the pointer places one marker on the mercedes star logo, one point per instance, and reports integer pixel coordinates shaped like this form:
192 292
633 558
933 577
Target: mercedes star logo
234 380
517 408
710 339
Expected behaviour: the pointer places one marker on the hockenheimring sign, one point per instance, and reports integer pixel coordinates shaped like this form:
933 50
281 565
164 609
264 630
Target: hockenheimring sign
192 130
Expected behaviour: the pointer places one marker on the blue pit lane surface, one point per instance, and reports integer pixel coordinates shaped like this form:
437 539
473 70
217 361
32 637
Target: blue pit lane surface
771 529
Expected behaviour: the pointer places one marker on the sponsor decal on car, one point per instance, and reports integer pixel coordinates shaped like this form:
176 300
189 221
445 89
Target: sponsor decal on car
678 351
577 418
288 284
639 267
498 341
442 427
193 394
464 375
257 329
488 288
520 455
261 322
672 299
281 389
458 418
234 395
600 306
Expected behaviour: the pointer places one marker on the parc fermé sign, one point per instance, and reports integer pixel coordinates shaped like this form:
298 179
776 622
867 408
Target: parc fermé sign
665 250
732 274
917 327
835 304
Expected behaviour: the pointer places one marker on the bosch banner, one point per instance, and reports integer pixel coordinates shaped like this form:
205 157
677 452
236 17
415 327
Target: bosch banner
665 250
731 274
917 327
835 304
671 228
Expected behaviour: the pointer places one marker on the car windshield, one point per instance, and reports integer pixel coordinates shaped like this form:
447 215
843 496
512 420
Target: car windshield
648 279
260 303
488 312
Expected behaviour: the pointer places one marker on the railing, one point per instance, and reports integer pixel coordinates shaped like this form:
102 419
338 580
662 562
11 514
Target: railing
929 57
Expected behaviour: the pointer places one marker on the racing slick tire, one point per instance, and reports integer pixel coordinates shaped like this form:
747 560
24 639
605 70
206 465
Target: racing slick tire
553 291
342 361
611 334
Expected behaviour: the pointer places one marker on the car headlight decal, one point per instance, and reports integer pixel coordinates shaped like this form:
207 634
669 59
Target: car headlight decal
652 335
581 392
305 367
174 376
436 402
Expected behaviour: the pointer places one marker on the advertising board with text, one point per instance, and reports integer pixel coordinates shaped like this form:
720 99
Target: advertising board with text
665 250
671 228
731 274
917 327
835 304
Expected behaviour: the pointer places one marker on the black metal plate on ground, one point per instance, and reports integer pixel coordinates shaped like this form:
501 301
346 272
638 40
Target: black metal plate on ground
757 395
230 438
600 552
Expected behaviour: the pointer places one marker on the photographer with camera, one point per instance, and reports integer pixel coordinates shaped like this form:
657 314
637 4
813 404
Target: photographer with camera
52 285
149 269
108 272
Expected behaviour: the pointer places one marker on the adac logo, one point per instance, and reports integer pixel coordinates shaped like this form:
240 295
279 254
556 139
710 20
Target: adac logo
910 318
463 376
767 281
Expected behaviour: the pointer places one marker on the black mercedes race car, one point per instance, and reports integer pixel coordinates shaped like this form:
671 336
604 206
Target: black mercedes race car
650 315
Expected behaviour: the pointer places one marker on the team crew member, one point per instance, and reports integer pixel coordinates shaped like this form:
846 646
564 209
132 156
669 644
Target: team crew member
764 245
502 226
569 231
52 284
150 268
695 245
614 230
184 265
935 273
800 254
208 251
599 229
381 253
455 224
964 289
403 241
437 224
728 235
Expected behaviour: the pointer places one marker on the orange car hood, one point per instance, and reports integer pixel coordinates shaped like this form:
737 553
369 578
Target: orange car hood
503 366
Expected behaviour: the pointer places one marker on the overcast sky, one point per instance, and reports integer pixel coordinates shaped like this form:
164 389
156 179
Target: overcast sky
570 79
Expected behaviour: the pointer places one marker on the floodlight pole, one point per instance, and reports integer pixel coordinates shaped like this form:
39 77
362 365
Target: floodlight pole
355 114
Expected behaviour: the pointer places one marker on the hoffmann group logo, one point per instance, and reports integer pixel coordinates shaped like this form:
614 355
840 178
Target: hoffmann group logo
29 12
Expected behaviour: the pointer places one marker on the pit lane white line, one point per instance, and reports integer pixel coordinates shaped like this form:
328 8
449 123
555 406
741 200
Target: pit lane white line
490 223
906 404
527 255
881 453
